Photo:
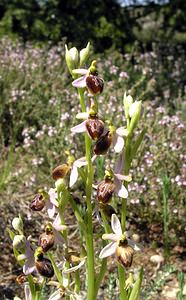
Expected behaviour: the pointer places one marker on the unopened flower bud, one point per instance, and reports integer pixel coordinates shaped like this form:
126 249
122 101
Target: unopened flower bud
21 279
84 54
124 253
134 113
19 241
72 58
60 171
38 202
60 185
102 145
46 240
94 84
17 224
127 101
95 127
105 190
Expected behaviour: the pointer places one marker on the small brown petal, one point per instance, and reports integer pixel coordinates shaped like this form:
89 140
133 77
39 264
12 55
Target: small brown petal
37 203
102 145
95 127
46 241
44 267
21 279
105 190
60 171
124 255
94 84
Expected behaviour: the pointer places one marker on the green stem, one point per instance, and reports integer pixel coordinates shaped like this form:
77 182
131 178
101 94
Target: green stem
122 279
89 231
56 270
101 274
31 285
81 98
77 282
121 270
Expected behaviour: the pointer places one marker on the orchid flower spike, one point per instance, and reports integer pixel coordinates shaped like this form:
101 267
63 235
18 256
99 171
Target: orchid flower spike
90 79
120 245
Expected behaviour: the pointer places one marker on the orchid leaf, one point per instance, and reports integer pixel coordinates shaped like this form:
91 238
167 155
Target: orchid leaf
137 286
138 142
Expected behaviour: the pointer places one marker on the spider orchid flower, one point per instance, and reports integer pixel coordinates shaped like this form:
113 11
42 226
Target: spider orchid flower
52 234
90 79
43 199
120 245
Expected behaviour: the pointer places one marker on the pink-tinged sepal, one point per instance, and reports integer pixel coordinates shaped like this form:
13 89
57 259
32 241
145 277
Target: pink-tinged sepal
80 82
120 189
108 250
115 224
79 128
118 143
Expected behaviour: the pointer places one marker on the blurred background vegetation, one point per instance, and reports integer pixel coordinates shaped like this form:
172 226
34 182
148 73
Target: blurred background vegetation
108 24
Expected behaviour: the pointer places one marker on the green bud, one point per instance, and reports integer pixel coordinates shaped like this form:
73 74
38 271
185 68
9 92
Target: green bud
134 113
127 101
19 241
17 224
72 58
21 257
84 54
60 185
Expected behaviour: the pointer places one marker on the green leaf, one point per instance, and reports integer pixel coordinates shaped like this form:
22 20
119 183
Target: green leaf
137 286
11 234
138 142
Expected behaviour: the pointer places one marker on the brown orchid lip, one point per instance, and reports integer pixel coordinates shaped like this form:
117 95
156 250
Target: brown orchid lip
44 267
102 145
95 127
46 241
38 203
105 190
124 255
94 84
